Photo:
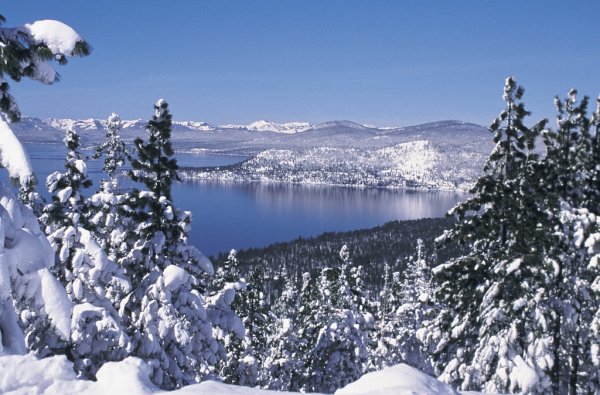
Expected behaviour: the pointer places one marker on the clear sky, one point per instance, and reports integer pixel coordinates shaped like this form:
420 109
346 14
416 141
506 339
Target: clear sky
387 63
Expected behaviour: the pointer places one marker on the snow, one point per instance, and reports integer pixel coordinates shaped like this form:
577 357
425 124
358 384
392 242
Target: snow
215 388
56 303
12 154
26 374
174 277
398 379
60 38
289 127
524 376
25 252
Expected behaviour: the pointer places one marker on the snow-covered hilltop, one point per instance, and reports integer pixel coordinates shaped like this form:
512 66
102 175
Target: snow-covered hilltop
268 126
445 155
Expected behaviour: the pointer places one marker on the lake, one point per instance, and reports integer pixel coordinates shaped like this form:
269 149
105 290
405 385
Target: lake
242 215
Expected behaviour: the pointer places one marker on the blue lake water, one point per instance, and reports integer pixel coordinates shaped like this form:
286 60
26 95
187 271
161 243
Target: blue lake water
242 215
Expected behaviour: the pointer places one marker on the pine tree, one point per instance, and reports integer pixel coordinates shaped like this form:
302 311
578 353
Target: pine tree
169 322
387 351
115 154
336 344
567 151
92 281
240 365
495 317
283 358
569 172
592 192
414 310
576 300
107 209
26 51
155 166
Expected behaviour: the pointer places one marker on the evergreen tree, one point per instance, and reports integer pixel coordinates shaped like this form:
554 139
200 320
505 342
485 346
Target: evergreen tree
569 174
337 349
29 293
307 327
405 309
26 51
493 329
92 281
155 166
576 300
567 151
68 204
115 154
387 351
592 192
414 310
107 214
240 365
282 359
169 322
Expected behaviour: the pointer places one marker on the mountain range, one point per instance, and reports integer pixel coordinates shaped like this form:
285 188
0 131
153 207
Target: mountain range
438 155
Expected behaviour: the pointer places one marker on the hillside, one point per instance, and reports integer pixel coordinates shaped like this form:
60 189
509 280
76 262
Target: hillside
447 155
394 242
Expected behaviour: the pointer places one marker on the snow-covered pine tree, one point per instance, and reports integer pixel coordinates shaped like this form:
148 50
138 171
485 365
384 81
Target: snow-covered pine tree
592 192
92 281
569 174
68 206
26 285
158 229
244 355
338 354
307 329
167 318
386 351
256 315
229 272
155 166
406 306
115 154
27 51
282 358
492 332
567 152
107 210
239 366
576 299
414 310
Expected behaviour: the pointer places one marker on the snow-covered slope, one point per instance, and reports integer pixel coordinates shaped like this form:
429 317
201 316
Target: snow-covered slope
437 155
420 164
25 374
289 127
398 379
268 126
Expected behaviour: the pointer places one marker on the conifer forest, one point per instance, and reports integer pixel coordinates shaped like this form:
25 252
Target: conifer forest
500 296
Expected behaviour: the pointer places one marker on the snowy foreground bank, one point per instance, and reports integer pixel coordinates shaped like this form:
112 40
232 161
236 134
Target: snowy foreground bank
30 375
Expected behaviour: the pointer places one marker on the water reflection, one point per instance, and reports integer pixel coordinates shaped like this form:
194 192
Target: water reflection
241 215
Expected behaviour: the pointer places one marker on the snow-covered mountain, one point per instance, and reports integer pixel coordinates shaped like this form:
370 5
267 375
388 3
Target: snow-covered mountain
91 125
436 155
268 126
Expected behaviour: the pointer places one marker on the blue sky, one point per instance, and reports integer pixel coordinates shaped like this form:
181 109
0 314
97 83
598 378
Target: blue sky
385 63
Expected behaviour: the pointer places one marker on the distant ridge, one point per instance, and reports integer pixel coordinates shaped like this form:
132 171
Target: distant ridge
92 124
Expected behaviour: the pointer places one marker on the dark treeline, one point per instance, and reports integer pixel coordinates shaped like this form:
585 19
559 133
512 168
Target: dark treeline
392 243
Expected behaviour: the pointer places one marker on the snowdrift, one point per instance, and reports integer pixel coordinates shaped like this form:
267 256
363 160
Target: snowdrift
26 374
